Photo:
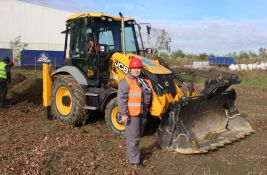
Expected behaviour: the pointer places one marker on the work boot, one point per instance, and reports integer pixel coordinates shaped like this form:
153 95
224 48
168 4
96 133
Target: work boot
139 165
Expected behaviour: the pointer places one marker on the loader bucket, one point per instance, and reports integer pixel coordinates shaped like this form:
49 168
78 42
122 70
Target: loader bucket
203 123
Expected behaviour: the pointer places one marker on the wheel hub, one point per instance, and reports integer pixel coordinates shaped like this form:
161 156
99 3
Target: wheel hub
119 118
66 100
116 119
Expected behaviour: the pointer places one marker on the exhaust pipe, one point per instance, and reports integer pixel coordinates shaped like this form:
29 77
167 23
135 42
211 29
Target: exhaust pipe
122 33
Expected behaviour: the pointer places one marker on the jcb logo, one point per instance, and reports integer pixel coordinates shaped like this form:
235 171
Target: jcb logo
121 66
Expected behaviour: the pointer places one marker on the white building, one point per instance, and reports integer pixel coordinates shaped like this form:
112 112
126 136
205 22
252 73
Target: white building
40 27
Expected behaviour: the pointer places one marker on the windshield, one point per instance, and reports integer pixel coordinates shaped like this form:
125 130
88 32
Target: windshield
109 33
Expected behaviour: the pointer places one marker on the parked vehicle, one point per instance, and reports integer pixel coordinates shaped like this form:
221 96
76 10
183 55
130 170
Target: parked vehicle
221 61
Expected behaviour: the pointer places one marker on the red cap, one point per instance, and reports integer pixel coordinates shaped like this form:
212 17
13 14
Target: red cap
11 63
135 62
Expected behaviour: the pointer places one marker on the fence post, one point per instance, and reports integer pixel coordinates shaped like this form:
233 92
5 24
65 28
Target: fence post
35 62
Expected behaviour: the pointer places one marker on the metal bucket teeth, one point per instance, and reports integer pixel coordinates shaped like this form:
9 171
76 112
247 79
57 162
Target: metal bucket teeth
213 146
201 125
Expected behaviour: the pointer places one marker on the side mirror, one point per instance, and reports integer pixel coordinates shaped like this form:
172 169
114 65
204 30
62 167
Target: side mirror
85 22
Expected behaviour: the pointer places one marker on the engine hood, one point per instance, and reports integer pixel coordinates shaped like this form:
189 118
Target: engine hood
152 66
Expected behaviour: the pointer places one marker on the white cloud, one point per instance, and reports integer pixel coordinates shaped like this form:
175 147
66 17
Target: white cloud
68 5
215 35
208 35
125 6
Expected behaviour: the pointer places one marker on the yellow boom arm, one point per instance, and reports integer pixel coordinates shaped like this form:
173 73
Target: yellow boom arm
47 86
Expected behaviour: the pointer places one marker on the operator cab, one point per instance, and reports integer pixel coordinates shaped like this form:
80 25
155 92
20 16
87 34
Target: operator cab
93 38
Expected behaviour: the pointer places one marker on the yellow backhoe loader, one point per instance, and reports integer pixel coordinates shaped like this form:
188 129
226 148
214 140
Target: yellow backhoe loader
88 81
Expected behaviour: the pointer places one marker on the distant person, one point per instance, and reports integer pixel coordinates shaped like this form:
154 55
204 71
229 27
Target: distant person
5 78
134 98
90 39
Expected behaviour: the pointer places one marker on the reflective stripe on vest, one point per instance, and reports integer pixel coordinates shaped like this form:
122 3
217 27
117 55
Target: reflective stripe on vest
134 97
133 104
134 94
3 73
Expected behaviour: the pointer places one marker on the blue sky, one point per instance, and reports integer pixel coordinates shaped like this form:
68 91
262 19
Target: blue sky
195 26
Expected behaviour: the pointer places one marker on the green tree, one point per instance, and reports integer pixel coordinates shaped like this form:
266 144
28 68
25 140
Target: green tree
243 55
252 55
178 54
263 53
203 57
165 56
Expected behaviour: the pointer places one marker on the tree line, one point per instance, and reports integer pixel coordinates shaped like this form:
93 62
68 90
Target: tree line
160 40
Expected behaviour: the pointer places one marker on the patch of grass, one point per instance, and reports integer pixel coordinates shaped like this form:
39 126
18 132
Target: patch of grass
258 81
187 78
251 79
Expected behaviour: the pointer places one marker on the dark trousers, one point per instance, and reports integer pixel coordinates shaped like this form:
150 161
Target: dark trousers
134 127
3 92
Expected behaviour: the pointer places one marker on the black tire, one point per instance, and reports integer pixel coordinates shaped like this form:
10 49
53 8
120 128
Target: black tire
68 100
113 118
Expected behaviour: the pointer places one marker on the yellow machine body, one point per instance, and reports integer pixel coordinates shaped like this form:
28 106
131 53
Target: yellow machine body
190 122
47 85
159 103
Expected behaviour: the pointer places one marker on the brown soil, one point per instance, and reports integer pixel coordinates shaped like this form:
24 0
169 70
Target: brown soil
17 78
31 144
23 88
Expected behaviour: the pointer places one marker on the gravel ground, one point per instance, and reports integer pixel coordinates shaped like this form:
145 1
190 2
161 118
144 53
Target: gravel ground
30 144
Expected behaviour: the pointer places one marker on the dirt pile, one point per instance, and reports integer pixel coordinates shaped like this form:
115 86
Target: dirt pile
17 78
25 89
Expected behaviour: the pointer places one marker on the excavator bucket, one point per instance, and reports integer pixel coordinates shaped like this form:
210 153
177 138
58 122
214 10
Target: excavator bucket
202 123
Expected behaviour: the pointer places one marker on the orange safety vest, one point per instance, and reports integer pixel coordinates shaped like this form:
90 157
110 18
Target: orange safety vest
135 97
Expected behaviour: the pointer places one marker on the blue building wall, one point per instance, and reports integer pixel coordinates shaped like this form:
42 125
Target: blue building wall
29 58
5 52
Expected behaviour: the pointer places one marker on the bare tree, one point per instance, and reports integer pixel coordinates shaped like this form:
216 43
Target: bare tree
17 46
159 39
163 41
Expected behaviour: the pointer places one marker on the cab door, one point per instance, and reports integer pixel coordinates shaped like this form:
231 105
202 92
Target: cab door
82 38
105 45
